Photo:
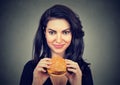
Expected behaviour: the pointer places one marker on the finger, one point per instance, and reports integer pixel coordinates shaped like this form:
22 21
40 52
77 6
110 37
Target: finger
71 70
43 65
72 66
45 59
69 62
46 62
41 70
67 75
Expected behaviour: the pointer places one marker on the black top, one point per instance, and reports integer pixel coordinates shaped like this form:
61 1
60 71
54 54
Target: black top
27 75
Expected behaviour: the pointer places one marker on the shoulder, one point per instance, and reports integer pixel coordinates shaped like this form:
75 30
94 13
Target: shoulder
30 65
85 67
28 68
27 74
86 71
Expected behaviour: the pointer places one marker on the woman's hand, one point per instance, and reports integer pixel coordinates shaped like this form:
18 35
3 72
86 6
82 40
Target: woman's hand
40 74
74 73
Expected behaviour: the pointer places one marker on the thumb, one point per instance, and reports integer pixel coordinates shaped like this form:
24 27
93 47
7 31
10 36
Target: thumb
67 75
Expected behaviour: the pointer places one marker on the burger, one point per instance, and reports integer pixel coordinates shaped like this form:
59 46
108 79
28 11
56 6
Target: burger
58 66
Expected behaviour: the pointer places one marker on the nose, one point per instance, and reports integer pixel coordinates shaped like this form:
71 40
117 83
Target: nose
59 38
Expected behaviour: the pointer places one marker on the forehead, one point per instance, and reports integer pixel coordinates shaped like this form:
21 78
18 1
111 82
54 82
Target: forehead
58 24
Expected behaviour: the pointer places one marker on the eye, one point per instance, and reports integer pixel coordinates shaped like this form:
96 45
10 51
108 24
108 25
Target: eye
66 32
51 32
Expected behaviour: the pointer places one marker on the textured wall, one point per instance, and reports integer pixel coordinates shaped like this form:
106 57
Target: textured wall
100 19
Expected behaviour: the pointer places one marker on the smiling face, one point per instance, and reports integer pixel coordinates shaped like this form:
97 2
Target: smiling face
58 36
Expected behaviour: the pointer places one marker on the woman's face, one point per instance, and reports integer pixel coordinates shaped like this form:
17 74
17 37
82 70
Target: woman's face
58 35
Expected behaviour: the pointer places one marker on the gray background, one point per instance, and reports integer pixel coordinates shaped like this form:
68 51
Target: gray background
101 21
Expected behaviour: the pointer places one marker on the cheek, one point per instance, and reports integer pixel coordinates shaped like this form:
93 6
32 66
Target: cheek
68 39
49 39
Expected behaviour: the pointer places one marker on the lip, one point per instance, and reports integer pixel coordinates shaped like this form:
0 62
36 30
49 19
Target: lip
58 46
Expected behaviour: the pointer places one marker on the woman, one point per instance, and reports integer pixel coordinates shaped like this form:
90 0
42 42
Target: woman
59 34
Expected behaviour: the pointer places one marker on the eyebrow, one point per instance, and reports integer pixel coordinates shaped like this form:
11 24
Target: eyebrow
62 30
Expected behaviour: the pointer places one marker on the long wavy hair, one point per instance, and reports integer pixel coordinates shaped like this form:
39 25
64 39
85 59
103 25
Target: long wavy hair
76 48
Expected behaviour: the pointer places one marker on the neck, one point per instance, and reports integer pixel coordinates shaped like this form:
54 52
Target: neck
58 54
